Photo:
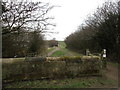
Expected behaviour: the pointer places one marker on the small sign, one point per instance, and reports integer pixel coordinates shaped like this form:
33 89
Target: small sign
104 55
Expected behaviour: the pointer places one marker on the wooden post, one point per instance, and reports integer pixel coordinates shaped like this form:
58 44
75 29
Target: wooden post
87 52
104 53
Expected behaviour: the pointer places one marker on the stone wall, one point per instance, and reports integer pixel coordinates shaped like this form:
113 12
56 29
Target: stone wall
60 68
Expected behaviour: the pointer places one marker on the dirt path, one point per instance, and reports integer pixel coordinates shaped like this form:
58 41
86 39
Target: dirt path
56 49
111 72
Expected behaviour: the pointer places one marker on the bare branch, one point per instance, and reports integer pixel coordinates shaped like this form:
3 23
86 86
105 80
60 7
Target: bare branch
21 14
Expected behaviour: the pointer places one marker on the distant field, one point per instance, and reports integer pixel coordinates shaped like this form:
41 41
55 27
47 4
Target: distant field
63 51
50 49
58 54
67 51
62 44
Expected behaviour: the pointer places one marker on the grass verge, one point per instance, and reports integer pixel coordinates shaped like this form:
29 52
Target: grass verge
84 82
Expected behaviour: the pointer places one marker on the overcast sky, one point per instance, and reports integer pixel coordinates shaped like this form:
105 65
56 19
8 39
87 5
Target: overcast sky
70 15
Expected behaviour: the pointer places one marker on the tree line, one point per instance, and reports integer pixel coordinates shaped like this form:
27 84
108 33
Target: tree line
23 25
100 31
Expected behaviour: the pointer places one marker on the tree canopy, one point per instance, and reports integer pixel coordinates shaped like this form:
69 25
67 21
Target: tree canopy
100 31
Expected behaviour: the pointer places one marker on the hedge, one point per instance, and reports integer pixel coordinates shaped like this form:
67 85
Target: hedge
53 68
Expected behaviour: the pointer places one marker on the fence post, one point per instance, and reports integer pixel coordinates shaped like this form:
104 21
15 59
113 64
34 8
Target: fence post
87 52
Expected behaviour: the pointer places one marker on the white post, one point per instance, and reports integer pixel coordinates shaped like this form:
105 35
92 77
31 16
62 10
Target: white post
104 53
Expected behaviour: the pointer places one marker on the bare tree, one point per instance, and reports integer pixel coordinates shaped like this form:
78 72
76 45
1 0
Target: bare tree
28 15
19 20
